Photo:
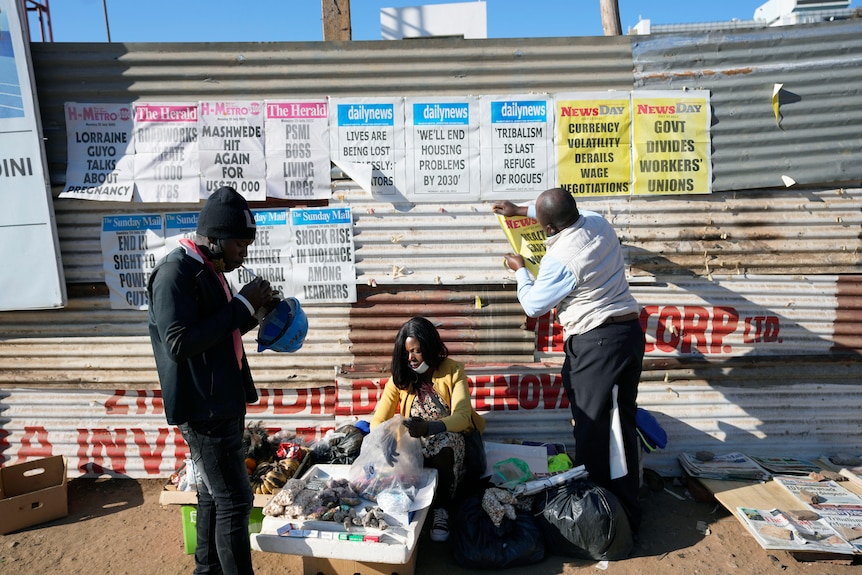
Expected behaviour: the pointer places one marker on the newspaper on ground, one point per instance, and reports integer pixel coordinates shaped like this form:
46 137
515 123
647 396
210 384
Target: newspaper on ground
850 466
731 466
773 529
786 465
817 495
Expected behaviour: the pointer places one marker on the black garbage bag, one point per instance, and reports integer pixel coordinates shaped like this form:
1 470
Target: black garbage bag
479 544
581 519
345 448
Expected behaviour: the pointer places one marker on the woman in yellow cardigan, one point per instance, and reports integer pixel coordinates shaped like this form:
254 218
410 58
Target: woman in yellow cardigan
430 391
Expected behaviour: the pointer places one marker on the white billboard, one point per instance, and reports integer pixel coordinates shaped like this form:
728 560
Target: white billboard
32 275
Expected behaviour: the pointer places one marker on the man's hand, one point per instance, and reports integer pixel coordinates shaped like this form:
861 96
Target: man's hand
513 261
508 209
416 426
259 293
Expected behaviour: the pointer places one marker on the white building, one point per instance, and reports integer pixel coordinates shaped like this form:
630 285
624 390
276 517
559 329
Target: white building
771 13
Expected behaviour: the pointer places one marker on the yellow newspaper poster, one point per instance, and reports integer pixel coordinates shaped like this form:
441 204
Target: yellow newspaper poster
593 143
527 239
670 143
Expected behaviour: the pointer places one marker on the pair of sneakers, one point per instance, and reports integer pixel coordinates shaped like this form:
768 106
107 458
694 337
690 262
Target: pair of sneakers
439 525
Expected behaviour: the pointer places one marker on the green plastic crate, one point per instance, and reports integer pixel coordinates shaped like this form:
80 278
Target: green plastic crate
190 534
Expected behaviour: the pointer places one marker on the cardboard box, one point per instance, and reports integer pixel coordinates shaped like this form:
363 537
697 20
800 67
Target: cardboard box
33 492
326 566
170 496
190 533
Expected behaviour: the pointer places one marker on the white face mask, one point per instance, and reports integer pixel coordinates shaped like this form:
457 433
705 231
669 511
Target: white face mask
423 367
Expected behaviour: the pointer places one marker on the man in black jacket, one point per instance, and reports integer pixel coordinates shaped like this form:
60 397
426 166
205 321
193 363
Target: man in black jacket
196 324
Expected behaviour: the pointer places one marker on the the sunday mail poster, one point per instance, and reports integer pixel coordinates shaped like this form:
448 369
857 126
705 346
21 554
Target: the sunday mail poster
366 139
593 143
132 244
518 155
100 152
671 143
297 149
324 269
442 146
167 167
269 256
231 148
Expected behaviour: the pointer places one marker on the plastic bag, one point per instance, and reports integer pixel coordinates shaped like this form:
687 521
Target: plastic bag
582 519
478 544
388 457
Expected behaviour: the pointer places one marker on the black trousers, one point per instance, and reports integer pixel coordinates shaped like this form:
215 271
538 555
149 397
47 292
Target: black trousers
608 355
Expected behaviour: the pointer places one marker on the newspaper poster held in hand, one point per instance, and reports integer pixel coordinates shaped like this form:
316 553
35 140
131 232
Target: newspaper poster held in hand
527 239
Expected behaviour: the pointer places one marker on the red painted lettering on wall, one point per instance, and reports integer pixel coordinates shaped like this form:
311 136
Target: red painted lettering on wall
362 397
135 402
152 457
96 446
314 401
28 450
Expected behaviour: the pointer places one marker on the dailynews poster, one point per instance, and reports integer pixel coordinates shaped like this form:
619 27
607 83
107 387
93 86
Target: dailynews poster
442 149
517 134
593 143
671 147
527 239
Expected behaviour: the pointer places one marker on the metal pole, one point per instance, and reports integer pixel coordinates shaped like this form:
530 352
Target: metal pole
107 26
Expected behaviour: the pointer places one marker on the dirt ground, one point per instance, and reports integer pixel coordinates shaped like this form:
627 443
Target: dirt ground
117 526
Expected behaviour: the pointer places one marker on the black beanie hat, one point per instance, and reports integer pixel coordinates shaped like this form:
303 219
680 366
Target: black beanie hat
226 216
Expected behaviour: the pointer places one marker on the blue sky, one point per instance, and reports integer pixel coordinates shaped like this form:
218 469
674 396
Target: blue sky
300 20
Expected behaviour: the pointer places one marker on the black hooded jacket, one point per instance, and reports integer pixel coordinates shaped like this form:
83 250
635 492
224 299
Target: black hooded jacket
191 324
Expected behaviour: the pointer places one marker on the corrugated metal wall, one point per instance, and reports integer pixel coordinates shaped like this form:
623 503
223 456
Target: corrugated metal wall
785 261
820 70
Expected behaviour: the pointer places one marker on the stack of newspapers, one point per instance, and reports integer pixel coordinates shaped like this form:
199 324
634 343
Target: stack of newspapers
731 467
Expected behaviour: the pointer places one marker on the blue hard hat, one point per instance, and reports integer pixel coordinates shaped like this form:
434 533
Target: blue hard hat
284 328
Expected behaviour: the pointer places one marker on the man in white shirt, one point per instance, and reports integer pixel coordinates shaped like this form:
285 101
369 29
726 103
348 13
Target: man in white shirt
582 274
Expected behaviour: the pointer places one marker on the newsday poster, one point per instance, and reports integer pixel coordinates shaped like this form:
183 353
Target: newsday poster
593 143
671 143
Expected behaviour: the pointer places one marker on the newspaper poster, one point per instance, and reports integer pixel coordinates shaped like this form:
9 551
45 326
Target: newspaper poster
518 159
297 150
366 140
166 152
269 256
179 226
670 143
527 239
442 146
231 148
100 151
323 255
594 143
774 530
131 247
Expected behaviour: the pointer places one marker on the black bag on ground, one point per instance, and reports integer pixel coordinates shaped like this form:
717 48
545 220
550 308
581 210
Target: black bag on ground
581 519
478 544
